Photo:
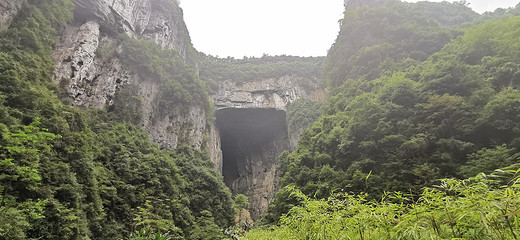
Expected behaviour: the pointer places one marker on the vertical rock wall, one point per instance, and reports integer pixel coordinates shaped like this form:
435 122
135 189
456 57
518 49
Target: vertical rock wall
252 139
258 178
214 147
159 21
90 73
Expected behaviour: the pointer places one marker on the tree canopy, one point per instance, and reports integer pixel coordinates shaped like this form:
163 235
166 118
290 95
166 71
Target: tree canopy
70 173
402 115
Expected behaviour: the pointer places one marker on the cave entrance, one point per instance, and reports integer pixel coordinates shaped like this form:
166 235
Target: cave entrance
245 133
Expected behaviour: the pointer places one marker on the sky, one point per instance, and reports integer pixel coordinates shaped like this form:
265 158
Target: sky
239 28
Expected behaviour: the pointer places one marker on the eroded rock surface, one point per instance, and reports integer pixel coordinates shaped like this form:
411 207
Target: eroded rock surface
90 73
160 21
252 140
273 93
8 10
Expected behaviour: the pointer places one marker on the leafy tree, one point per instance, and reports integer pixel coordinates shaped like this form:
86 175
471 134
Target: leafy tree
94 174
451 113
240 202
144 234
206 228
487 160
19 177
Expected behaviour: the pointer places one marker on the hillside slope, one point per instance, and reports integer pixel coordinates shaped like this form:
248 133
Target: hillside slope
68 172
411 103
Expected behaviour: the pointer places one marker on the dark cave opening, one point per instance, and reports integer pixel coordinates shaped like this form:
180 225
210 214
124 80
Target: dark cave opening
243 132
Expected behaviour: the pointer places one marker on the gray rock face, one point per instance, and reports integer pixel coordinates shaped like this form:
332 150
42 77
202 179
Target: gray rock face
266 93
88 80
251 149
160 21
90 73
8 10
258 179
214 147
252 139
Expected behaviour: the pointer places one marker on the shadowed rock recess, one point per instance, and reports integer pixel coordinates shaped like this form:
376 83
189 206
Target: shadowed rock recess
250 117
251 140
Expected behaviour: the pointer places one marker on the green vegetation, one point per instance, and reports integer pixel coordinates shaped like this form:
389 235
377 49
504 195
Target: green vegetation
68 173
180 86
500 13
411 102
482 207
242 222
20 158
414 98
301 113
214 69
447 14
241 203
388 37
143 234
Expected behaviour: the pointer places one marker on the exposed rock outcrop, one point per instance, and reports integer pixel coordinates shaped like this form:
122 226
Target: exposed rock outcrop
90 74
214 147
274 93
160 21
259 180
252 139
8 10
251 120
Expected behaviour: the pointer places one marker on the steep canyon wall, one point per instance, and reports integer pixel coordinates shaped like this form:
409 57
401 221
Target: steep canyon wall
251 119
91 73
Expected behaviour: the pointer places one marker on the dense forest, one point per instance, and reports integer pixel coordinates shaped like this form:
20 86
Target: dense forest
424 107
214 70
70 173
419 137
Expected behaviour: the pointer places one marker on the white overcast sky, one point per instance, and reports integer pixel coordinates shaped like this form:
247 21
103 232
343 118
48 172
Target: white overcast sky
241 28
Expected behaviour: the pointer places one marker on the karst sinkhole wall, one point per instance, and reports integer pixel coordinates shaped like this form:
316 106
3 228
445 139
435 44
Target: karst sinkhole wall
251 141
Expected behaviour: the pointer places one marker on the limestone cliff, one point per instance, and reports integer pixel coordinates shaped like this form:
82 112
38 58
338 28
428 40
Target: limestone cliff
275 93
251 119
160 21
91 72
90 76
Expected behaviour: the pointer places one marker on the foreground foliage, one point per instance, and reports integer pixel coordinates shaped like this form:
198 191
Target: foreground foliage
476 208
144 234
